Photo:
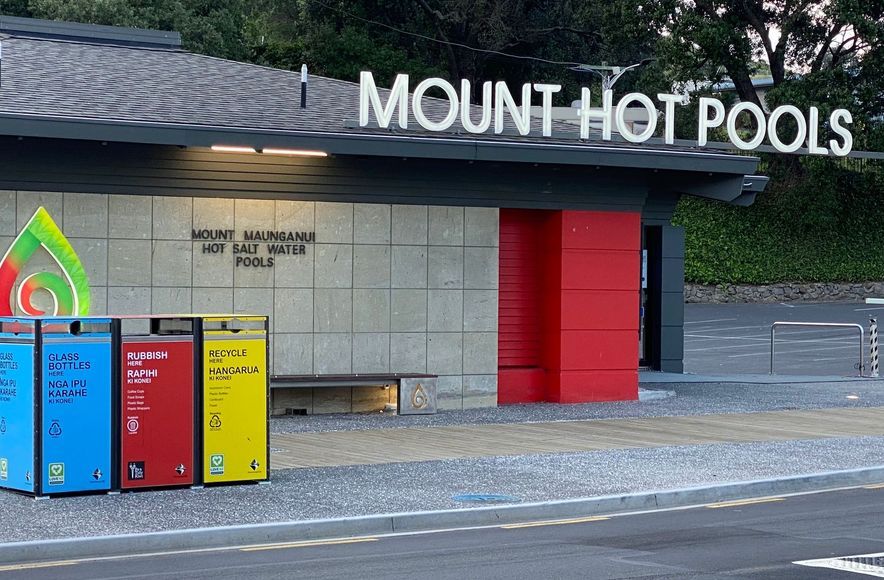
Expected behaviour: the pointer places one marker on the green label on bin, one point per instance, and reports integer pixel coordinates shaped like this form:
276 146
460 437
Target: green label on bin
56 474
216 466
4 469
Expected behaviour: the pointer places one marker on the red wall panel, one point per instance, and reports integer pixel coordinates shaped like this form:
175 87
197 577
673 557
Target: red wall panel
591 230
600 309
592 350
591 386
600 270
521 385
569 294
520 377
599 349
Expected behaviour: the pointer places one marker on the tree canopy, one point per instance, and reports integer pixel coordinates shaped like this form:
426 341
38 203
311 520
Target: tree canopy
823 52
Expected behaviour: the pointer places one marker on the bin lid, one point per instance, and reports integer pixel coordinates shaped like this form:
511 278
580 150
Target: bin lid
235 323
17 327
76 326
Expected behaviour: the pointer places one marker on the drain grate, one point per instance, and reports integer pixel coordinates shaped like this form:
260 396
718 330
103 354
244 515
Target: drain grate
486 498
866 564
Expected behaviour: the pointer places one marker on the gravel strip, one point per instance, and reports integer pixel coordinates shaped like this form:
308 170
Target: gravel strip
689 399
364 490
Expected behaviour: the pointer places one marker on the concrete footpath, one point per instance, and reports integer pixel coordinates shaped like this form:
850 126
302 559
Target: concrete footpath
346 475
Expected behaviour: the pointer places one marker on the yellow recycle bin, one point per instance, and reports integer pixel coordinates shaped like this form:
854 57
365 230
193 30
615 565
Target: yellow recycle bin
235 397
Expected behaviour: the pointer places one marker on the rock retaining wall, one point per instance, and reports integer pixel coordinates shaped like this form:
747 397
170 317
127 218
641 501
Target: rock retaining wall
775 293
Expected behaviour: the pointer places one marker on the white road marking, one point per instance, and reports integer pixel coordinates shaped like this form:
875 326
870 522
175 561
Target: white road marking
867 309
713 320
840 340
725 347
707 337
830 359
866 569
755 345
726 328
308 544
767 352
765 331
843 342
555 522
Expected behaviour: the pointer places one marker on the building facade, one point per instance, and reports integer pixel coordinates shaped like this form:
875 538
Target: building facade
516 268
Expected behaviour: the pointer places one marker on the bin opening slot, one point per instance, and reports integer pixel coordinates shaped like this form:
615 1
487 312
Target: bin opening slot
76 327
171 326
235 325
17 327
135 326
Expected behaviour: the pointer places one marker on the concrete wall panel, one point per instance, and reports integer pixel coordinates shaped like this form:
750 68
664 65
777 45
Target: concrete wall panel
379 289
7 213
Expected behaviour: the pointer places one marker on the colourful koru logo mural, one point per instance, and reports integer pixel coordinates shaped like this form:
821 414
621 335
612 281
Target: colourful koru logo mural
70 293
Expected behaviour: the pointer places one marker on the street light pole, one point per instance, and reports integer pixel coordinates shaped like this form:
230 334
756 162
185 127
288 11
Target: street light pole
610 74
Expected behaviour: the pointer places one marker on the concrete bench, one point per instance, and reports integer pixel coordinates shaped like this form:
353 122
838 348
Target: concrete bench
416 392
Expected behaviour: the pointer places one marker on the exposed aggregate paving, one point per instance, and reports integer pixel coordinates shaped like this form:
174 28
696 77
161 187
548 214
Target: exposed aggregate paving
336 492
689 399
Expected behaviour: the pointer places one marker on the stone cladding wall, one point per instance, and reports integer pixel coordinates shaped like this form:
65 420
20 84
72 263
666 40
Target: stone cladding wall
775 293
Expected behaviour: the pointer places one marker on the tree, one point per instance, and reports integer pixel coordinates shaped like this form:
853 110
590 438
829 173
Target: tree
212 27
456 38
704 39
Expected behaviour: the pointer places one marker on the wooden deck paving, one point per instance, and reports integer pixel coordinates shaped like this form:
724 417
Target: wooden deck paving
463 441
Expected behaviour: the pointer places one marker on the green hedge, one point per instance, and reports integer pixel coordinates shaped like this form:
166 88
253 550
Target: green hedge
816 222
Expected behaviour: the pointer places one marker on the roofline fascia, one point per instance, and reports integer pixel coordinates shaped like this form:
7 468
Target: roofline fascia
374 144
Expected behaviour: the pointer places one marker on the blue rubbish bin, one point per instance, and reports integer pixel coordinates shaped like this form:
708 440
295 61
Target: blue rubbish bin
76 426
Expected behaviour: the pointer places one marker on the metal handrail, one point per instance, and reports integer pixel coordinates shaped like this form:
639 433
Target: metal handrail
859 327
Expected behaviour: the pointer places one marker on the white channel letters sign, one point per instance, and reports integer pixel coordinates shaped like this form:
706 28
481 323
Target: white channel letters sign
498 101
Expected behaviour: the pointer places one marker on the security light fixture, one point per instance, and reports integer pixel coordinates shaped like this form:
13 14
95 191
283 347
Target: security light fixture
269 151
294 152
233 149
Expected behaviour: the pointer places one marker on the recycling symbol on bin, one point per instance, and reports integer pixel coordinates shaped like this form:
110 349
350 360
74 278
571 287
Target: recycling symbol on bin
254 464
55 429
215 422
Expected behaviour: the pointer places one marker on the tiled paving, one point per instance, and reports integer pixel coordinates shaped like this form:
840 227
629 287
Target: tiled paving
469 441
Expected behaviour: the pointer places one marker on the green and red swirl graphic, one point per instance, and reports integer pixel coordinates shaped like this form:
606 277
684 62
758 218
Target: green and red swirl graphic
70 293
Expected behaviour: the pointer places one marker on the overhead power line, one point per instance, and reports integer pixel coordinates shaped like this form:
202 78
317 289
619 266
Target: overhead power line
438 41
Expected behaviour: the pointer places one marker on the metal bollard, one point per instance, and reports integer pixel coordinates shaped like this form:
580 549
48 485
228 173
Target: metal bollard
873 347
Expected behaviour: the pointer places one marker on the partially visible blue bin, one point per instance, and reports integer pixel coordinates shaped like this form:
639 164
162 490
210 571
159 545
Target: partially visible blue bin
17 404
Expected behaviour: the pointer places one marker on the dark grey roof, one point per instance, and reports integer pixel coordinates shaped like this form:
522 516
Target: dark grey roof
76 79
36 28
81 90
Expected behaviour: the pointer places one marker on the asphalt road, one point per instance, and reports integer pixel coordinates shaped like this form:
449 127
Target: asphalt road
756 539
735 338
